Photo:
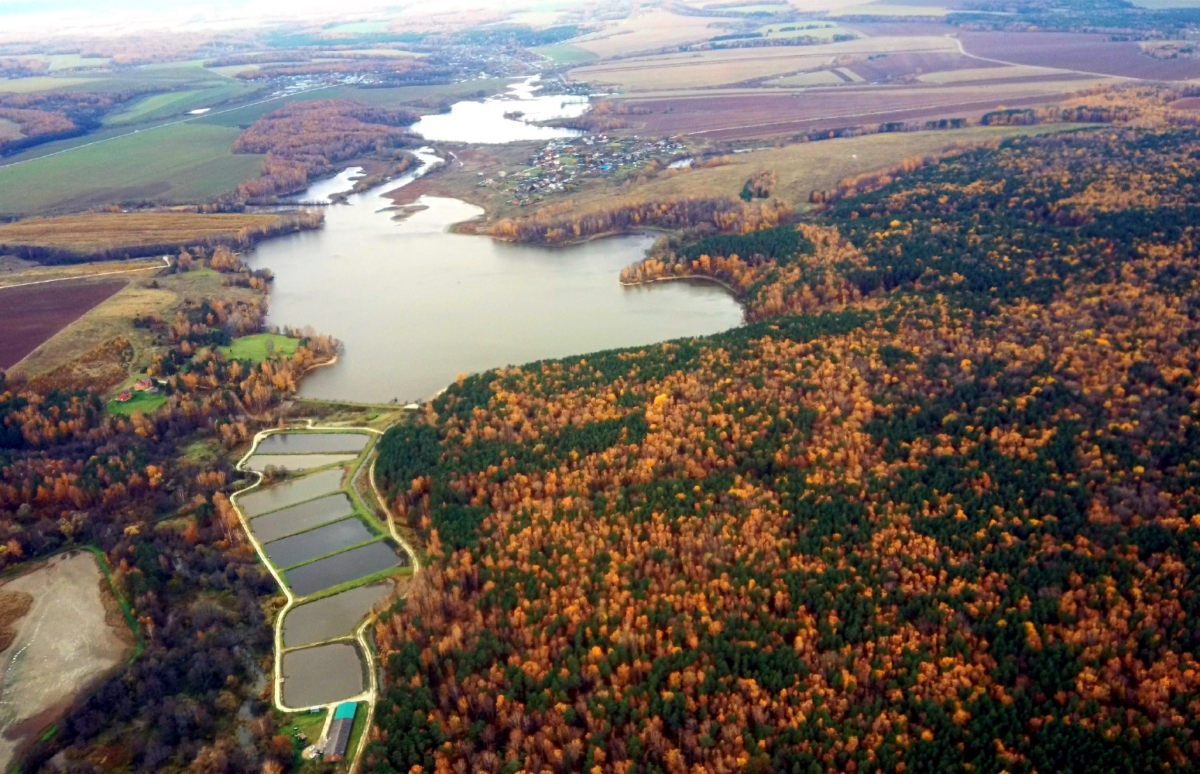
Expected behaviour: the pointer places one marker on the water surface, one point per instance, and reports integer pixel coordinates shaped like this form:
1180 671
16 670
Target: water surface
331 617
261 462
415 306
352 565
291 492
484 121
321 675
312 443
309 545
298 518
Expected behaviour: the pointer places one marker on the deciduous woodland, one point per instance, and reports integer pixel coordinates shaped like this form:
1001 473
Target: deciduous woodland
306 139
937 509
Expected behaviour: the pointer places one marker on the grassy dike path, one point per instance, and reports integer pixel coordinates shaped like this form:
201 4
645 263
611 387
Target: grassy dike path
365 460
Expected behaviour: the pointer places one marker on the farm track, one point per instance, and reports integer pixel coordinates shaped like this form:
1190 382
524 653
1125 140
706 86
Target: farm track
166 260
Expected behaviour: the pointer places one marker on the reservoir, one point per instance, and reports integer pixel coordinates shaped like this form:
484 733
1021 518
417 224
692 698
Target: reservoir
504 118
415 305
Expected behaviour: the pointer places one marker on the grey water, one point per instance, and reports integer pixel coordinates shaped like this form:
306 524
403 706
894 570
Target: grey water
496 120
302 517
415 305
307 546
321 675
331 617
312 443
341 568
291 492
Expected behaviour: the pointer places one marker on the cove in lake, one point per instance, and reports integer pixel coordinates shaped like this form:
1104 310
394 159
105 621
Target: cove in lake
415 305
485 122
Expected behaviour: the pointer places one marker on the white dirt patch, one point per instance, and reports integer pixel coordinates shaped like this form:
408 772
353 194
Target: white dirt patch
63 645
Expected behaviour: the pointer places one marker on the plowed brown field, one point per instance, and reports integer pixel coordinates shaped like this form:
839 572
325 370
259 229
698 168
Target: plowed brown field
31 314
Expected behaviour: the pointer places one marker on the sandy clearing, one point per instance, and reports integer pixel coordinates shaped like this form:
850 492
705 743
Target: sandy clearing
62 646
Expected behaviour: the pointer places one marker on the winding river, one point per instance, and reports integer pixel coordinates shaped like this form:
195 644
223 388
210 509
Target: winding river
415 305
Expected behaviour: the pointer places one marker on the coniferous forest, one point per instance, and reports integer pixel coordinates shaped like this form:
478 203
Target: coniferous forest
935 509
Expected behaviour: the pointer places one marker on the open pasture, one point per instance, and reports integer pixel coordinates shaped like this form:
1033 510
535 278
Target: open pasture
92 232
32 314
172 164
900 66
1077 51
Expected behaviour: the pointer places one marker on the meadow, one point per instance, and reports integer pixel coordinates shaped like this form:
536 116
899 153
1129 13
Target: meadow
179 163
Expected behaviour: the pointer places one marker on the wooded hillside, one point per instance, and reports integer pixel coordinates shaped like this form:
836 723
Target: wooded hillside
937 510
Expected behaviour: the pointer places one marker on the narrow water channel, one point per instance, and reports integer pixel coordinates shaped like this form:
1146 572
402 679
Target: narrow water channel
415 305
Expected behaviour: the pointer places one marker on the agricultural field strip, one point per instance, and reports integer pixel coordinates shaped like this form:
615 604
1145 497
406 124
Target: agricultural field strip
166 260
966 53
161 126
840 115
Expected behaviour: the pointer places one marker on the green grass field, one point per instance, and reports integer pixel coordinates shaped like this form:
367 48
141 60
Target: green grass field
180 163
255 347
565 53
140 402
72 61
176 103
40 83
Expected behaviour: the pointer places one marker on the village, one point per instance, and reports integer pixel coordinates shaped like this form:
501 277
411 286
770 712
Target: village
560 164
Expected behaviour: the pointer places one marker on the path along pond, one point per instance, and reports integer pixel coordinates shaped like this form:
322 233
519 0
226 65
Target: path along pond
416 305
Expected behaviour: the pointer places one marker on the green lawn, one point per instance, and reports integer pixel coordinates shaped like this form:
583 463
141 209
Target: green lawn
565 53
71 61
180 163
177 103
255 347
140 402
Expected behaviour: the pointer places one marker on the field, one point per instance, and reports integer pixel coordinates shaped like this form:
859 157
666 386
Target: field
9 130
649 31
704 69
65 643
761 113
565 53
255 347
173 103
1086 53
102 348
15 271
32 314
180 163
91 232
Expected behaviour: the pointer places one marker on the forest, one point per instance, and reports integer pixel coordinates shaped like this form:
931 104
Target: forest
303 140
936 508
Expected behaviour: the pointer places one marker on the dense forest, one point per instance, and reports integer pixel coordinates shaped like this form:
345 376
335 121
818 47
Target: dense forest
936 509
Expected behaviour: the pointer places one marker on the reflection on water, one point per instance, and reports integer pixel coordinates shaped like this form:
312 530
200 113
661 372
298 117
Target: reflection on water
485 122
415 305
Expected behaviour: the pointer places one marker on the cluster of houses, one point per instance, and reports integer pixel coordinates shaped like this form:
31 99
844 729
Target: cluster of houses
145 384
559 165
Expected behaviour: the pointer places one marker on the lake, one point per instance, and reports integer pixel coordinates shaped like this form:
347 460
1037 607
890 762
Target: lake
415 305
485 122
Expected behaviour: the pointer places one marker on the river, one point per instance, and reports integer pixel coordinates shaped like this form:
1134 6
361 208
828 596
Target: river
485 122
415 305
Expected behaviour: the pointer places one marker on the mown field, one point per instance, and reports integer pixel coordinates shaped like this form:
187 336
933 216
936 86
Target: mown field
94 231
180 163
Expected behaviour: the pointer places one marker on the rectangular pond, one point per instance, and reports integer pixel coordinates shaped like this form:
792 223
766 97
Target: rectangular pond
321 675
312 443
331 617
318 542
302 517
282 495
352 565
261 462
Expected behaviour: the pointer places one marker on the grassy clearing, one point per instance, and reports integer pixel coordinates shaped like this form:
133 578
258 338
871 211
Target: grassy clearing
565 53
92 232
141 401
175 103
73 61
179 163
255 347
